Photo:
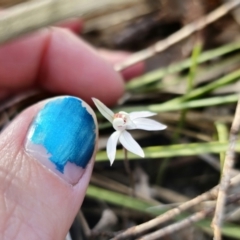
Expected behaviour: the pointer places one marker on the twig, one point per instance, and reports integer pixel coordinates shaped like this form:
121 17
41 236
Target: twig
176 226
179 35
136 230
186 222
225 179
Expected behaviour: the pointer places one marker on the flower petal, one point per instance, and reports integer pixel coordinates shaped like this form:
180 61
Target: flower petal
112 145
130 144
104 110
134 115
147 124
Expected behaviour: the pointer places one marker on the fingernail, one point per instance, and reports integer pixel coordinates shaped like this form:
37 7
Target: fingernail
62 137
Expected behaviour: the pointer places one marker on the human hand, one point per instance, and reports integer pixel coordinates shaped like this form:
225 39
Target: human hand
56 135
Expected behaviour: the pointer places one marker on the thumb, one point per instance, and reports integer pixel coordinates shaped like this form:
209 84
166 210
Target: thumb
46 161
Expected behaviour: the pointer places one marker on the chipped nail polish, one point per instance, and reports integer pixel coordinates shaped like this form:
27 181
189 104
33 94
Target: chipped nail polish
62 137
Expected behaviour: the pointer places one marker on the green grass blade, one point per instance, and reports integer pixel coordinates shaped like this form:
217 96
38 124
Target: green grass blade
118 199
193 68
176 150
222 131
158 74
230 78
206 102
190 82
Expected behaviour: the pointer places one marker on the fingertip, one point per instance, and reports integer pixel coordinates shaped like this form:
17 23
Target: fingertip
133 71
115 57
78 69
75 25
60 62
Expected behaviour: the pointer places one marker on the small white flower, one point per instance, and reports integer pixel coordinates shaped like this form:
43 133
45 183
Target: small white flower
122 122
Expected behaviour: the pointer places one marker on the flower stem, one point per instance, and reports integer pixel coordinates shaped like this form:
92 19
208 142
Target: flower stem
129 172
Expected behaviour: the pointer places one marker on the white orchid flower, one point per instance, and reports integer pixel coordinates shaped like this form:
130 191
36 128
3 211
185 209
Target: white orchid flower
122 122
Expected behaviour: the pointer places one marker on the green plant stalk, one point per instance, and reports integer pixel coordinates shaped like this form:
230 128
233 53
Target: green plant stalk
190 82
129 171
222 132
193 68
160 73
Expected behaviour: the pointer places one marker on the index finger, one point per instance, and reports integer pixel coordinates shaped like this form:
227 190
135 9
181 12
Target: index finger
58 61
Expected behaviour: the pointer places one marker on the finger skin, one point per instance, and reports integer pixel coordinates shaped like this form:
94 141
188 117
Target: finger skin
20 60
89 74
34 203
74 24
58 61
116 57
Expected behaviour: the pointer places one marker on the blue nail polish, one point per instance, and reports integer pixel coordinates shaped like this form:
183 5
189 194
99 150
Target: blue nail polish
63 132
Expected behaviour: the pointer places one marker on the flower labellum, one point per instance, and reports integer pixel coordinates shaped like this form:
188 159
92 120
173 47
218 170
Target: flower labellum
122 122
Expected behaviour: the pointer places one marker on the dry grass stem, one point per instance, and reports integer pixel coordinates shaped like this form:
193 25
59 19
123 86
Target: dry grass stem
107 221
168 195
109 183
176 226
226 174
186 222
85 227
16 99
211 160
27 17
179 35
136 230
113 18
